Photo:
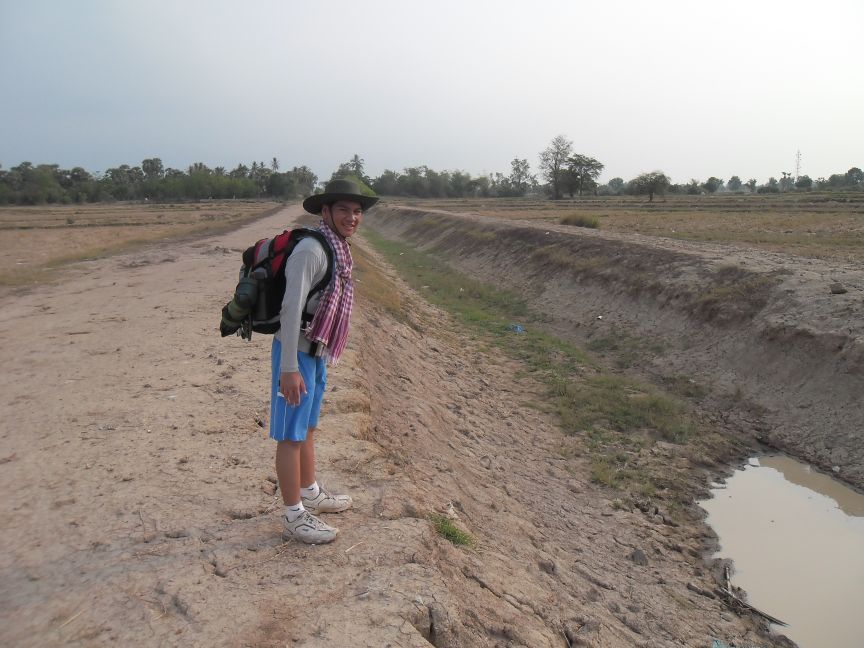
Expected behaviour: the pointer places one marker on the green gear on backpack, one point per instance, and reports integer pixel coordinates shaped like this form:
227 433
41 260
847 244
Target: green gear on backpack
240 307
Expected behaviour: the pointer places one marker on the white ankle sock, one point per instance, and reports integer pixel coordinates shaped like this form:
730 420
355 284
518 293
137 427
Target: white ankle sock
311 491
294 511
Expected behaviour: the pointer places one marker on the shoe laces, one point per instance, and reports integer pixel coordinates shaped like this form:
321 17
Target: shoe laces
325 495
313 521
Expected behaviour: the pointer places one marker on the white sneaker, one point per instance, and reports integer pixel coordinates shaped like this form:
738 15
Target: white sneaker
327 503
309 529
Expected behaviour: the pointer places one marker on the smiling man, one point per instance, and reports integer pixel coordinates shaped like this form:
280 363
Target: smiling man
299 372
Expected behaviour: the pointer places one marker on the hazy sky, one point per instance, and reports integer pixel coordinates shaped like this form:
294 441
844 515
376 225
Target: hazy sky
694 89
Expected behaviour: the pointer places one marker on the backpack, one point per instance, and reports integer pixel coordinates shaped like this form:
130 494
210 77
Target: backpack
258 296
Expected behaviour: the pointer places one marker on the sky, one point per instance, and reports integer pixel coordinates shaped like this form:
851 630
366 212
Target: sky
690 88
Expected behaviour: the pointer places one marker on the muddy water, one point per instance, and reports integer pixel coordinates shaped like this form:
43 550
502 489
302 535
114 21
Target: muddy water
797 539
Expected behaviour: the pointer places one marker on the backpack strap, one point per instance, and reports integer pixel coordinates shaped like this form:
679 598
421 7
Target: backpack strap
305 317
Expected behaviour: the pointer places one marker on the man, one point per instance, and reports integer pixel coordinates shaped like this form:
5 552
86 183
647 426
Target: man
299 374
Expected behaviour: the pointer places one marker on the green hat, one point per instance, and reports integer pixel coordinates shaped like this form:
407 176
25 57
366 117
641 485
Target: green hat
338 189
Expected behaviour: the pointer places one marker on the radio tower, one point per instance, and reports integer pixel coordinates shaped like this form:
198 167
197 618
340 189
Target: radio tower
798 165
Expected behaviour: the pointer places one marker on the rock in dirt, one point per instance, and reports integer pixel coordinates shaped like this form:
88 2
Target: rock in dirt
244 514
838 289
547 566
177 533
638 556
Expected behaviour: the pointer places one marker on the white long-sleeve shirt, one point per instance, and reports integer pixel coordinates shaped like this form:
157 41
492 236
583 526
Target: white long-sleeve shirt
306 266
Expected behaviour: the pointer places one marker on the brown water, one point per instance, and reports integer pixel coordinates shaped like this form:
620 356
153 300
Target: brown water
797 539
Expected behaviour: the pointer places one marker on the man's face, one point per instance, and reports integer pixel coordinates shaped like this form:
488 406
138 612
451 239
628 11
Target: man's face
343 217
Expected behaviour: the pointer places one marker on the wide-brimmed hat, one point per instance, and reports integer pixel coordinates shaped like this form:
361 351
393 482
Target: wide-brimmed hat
338 189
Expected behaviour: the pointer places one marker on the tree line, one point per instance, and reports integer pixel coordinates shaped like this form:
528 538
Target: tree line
565 172
656 182
28 184
423 182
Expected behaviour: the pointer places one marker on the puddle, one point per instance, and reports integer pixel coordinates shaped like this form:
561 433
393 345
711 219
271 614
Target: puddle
797 539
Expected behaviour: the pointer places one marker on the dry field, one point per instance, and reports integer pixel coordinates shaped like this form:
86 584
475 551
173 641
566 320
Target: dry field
34 241
825 226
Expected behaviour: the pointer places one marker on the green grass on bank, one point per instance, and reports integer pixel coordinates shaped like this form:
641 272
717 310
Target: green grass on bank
484 310
449 531
615 416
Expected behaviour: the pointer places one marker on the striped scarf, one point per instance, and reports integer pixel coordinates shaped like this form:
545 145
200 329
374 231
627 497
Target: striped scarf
330 324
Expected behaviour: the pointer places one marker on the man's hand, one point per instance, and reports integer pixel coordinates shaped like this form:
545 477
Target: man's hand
292 386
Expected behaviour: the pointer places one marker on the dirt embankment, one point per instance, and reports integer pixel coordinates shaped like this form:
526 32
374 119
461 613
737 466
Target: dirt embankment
782 357
139 506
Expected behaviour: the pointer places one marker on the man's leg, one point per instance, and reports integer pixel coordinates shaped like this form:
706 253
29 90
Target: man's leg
288 470
315 498
298 524
307 461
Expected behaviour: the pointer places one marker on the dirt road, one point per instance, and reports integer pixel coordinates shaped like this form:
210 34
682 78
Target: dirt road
139 504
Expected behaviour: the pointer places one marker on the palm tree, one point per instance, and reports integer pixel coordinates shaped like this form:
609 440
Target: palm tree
356 165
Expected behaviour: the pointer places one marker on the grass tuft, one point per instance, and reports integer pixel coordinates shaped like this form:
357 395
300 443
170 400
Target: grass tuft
581 220
449 531
605 472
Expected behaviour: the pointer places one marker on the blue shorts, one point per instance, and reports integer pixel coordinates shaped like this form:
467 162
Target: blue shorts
290 422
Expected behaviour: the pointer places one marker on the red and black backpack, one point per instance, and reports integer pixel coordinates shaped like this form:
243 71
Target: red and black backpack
258 297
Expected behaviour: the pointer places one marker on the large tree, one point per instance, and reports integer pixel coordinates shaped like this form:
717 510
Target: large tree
804 182
582 172
520 177
616 185
650 183
152 168
460 184
553 163
387 183
712 184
